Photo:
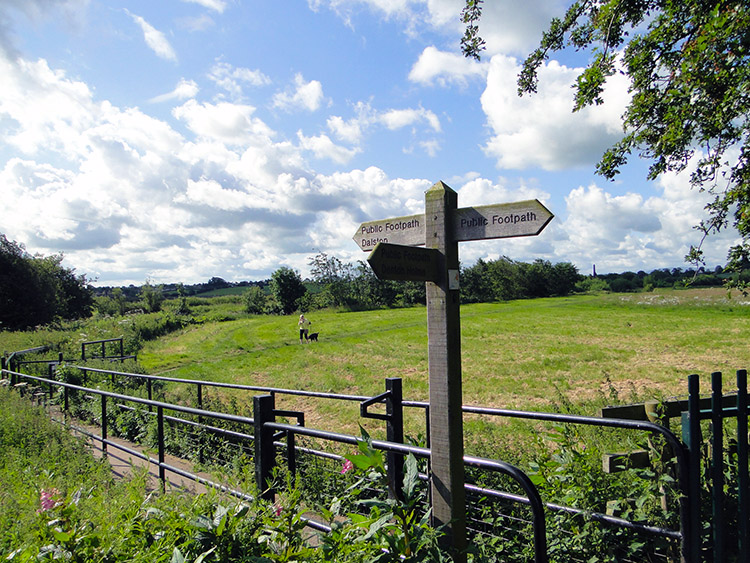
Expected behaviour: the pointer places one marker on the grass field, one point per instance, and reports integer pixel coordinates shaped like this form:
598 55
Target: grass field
532 354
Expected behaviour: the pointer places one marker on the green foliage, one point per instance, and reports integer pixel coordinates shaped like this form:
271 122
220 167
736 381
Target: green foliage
505 279
398 529
36 290
287 288
255 300
152 297
689 69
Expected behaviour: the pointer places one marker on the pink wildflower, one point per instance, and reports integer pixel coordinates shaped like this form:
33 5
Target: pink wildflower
49 499
348 466
277 509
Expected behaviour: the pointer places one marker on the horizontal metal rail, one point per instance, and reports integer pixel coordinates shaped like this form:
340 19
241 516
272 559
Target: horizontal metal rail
533 500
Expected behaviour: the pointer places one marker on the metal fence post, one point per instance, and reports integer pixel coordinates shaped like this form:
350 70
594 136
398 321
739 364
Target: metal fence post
148 390
265 452
200 421
395 433
717 466
83 351
51 376
743 502
160 435
693 440
104 425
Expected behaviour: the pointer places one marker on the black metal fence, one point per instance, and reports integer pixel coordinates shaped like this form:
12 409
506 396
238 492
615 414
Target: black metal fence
694 543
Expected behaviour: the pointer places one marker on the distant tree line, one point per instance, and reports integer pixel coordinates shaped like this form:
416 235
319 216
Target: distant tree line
336 284
662 278
36 290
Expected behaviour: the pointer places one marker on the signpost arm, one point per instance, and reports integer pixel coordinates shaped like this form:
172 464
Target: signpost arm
444 357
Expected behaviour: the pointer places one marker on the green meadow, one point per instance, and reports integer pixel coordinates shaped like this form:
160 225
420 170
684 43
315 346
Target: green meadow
586 350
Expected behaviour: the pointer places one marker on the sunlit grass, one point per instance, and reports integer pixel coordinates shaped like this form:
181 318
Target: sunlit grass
533 354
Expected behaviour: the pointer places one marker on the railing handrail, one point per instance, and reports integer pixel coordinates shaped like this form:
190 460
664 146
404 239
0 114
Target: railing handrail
281 391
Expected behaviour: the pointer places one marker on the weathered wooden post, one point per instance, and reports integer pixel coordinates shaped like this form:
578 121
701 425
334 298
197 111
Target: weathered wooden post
440 229
444 358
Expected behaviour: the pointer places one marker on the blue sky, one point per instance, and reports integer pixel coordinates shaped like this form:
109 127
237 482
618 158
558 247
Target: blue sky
184 139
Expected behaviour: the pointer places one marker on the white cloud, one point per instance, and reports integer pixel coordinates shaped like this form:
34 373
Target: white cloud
630 232
444 68
225 122
323 147
216 5
515 26
350 130
155 39
398 118
197 23
211 193
232 78
304 96
185 89
540 130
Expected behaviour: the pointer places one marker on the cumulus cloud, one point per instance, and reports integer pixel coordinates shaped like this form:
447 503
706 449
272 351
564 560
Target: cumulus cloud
133 198
323 147
224 122
155 39
398 118
185 89
302 96
445 68
366 117
540 130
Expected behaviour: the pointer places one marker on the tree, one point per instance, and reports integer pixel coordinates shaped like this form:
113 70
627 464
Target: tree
335 277
689 68
152 297
36 290
255 300
287 288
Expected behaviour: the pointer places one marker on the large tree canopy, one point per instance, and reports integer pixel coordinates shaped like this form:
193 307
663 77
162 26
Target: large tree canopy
689 63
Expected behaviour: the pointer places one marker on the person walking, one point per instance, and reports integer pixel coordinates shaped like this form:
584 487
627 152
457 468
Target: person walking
304 327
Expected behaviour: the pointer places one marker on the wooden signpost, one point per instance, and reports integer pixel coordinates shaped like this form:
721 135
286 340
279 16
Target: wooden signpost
440 229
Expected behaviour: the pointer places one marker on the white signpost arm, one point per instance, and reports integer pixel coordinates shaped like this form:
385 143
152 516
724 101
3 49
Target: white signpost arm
444 357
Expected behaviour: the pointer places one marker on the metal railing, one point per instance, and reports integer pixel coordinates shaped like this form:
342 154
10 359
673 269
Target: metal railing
686 456
683 535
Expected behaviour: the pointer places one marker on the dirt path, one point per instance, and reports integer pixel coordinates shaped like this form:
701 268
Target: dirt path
124 463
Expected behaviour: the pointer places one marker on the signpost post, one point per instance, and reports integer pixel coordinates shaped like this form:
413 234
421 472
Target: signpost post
393 257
